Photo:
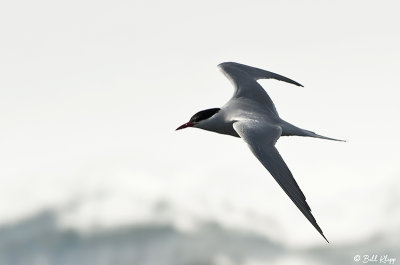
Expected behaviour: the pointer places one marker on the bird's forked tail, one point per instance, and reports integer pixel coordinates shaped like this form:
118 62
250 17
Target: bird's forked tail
289 130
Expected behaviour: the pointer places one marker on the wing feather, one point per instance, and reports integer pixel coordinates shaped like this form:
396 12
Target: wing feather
244 79
257 73
261 141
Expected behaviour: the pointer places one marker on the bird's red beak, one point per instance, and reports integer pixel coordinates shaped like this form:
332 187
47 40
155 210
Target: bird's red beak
188 124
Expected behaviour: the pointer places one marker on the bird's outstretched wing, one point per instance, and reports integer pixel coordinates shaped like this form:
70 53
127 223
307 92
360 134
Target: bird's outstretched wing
257 73
244 79
261 140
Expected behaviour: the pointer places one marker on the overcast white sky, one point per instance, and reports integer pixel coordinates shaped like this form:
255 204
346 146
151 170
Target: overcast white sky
91 92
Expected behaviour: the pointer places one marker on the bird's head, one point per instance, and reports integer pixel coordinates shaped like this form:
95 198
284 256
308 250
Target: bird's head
199 118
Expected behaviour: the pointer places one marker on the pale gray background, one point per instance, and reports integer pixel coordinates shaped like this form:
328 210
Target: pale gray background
90 95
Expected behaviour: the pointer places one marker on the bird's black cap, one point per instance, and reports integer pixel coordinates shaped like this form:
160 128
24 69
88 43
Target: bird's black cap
204 114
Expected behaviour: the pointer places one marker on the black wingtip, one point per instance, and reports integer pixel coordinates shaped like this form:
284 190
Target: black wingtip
320 231
325 238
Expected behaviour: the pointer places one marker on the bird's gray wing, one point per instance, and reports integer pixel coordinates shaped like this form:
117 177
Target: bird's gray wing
244 79
257 73
261 140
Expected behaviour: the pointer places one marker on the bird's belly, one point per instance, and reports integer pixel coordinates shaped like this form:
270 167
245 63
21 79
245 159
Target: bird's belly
228 130
225 128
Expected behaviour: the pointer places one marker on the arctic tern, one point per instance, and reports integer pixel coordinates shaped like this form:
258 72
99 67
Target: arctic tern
251 115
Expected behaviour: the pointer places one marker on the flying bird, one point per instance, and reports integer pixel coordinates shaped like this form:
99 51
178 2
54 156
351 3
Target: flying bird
251 115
